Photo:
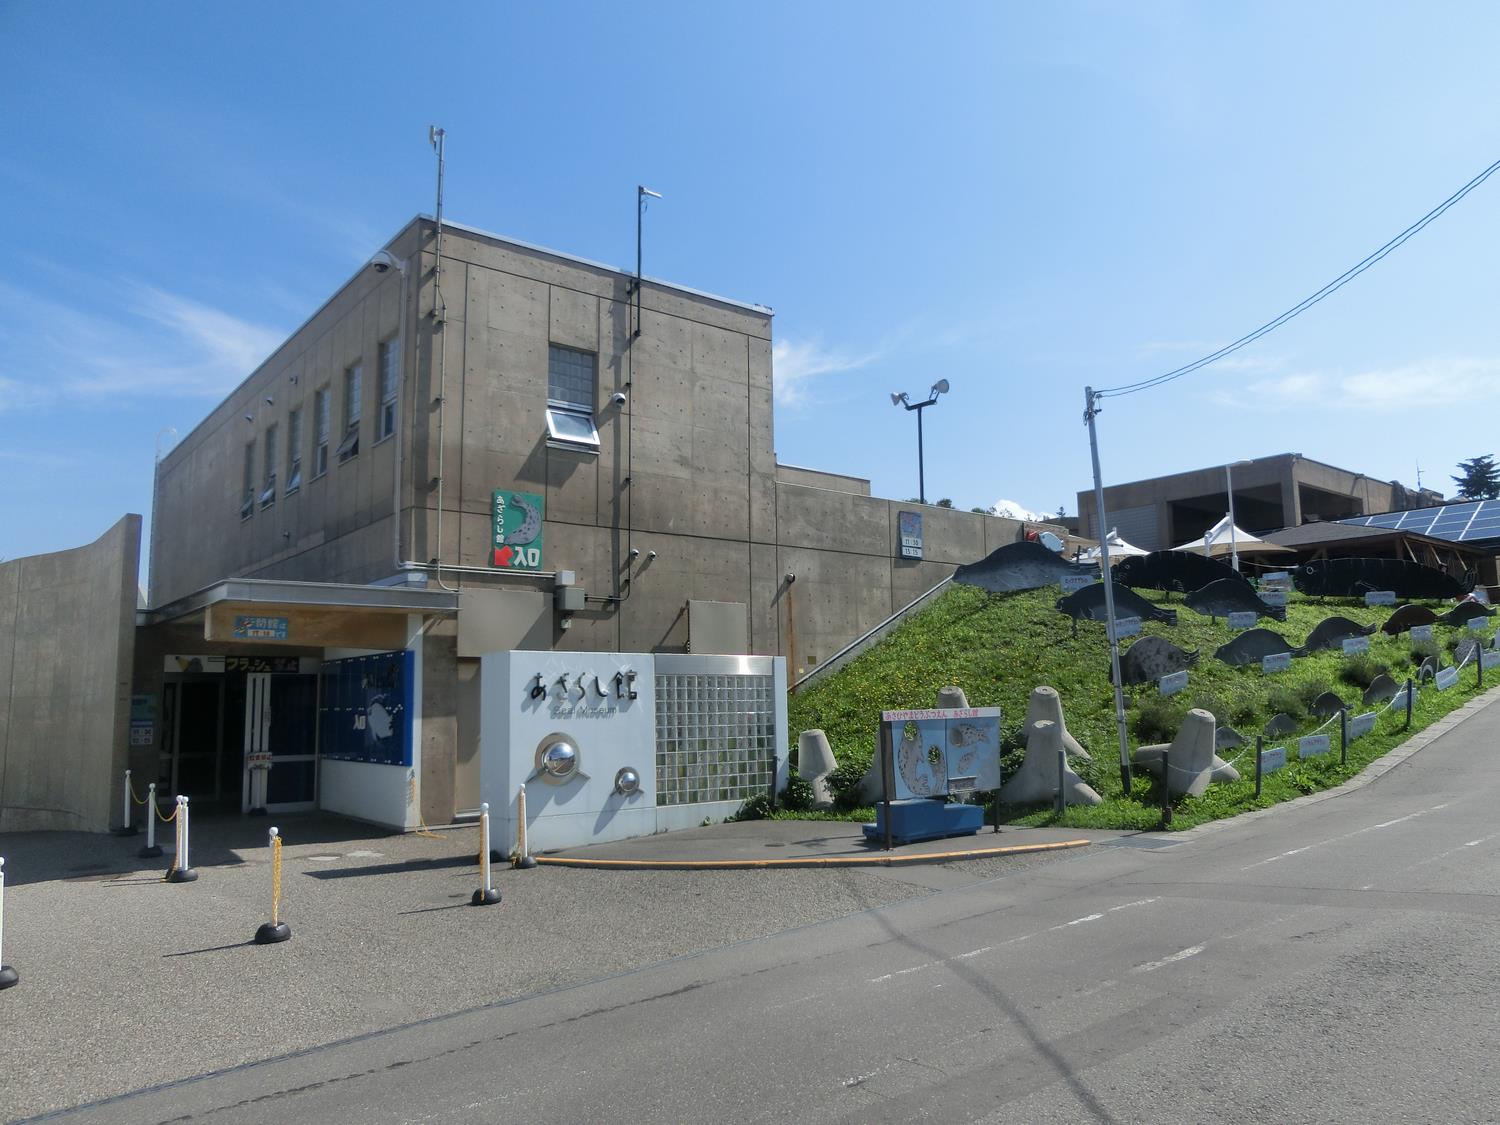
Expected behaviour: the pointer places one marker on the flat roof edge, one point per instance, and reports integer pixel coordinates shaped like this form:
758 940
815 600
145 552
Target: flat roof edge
325 594
449 224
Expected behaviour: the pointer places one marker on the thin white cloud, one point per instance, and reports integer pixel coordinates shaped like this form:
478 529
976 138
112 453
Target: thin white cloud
1426 384
794 364
132 341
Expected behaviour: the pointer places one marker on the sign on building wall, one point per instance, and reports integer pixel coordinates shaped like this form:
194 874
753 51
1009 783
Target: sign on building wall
909 525
365 714
516 530
253 627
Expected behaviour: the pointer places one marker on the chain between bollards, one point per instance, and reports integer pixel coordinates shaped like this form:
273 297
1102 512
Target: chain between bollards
8 976
275 930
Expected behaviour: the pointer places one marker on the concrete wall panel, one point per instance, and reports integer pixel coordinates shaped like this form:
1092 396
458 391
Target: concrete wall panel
65 695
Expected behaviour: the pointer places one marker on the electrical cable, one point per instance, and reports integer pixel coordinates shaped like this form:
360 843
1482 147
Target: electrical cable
1308 302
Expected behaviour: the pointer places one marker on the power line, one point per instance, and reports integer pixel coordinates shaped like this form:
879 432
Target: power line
1308 302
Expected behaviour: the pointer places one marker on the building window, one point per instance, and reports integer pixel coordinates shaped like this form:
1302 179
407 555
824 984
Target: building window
293 451
247 493
385 424
268 492
320 428
349 447
570 398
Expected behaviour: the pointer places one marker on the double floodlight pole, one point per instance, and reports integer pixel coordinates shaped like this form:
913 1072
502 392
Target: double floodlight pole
900 398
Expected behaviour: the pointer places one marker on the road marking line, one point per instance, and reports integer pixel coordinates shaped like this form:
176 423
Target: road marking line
1180 955
1009 941
1345 836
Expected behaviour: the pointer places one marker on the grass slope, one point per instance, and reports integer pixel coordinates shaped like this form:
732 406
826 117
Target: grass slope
997 647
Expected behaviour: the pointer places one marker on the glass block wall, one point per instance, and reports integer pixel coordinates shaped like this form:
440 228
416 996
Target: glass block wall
715 736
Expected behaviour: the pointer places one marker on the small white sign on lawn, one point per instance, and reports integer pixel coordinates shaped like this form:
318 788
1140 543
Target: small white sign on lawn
1312 745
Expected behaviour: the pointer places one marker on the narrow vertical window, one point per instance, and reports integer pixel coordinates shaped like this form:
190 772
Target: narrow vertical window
247 493
349 447
321 429
268 489
386 423
293 451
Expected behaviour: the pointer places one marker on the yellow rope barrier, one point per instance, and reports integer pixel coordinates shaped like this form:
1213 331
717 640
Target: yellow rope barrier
411 799
276 881
137 799
167 819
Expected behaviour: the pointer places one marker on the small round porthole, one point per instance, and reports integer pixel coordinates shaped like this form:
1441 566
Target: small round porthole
557 759
627 781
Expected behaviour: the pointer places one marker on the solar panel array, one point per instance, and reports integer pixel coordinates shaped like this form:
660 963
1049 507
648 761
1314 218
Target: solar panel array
1458 523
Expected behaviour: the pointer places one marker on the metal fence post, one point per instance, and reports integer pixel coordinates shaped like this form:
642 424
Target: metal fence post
1259 748
1343 736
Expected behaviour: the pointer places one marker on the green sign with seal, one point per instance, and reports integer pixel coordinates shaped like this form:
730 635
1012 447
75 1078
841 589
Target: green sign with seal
516 530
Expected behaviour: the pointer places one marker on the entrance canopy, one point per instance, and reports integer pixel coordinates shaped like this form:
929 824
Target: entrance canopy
1217 543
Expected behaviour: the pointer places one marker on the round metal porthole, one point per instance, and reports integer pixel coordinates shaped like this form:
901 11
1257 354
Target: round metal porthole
557 759
627 781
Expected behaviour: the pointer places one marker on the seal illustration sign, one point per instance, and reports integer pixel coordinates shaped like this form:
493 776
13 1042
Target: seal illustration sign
516 535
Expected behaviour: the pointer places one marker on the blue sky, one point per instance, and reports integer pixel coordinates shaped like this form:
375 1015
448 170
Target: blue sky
1022 199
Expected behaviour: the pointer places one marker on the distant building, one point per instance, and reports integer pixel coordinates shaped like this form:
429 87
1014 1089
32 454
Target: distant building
1284 490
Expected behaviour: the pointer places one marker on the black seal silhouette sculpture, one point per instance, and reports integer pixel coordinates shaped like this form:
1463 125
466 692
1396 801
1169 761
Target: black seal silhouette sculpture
1226 596
1406 618
1151 658
1253 645
1466 611
1019 566
1354 578
1088 604
1174 571
1331 631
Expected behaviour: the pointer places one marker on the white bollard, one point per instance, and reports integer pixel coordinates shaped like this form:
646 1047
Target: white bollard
125 829
151 850
8 976
182 871
524 859
486 895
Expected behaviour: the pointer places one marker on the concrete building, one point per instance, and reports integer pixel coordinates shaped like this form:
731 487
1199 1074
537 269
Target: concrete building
1284 490
475 446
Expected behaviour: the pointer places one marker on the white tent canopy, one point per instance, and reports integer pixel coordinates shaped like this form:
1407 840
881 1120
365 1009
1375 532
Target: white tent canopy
1218 543
1118 549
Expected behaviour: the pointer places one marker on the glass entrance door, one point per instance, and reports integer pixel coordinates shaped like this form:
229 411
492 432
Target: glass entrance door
281 716
198 738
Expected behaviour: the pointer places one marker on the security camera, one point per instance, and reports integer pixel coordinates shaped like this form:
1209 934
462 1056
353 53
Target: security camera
383 261
618 398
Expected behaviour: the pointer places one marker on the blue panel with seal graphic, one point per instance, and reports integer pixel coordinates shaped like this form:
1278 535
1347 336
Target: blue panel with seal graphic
366 710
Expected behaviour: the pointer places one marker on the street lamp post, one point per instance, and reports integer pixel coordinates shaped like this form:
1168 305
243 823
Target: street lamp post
901 399
1234 554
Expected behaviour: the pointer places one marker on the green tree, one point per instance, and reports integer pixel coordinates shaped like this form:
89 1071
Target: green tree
1480 479
945 503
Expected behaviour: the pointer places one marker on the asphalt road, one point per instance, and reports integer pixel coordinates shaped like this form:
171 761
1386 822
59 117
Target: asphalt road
1336 961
